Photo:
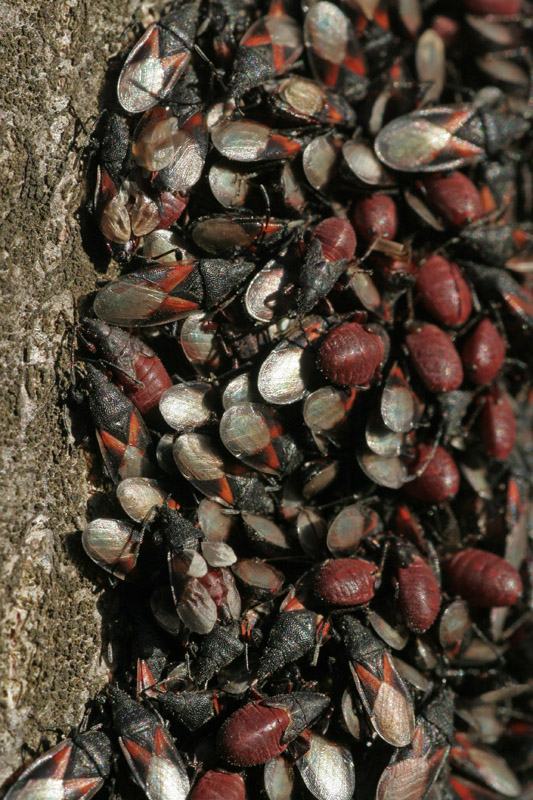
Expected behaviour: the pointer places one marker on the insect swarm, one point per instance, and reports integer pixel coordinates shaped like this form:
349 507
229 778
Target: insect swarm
333 375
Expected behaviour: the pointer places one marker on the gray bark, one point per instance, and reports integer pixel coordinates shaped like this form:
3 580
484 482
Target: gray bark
54 60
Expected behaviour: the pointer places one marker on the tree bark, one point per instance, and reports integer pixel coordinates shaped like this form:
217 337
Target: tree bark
55 57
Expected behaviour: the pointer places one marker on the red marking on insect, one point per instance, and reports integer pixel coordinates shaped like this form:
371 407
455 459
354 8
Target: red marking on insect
438 479
350 355
482 578
345 581
435 358
483 352
337 238
444 292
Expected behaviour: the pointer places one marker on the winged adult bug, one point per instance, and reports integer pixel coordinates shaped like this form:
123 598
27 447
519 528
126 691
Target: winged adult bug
158 60
218 649
345 582
327 768
293 635
321 160
363 165
203 600
383 692
76 768
218 785
498 423
419 596
140 496
244 140
398 407
302 101
498 284
148 748
193 709
166 292
375 217
268 48
326 411
443 291
445 138
136 366
436 478
435 358
255 434
228 235
350 355
268 293
350 526
482 764
263 729
257 580
415 768
334 52
201 462
483 352
500 245
122 435
482 578
187 406
331 247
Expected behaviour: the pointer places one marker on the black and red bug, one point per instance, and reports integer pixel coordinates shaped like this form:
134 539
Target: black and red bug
333 50
445 138
136 366
484 765
247 141
419 595
415 768
264 728
193 709
255 434
216 650
148 748
114 545
121 432
498 284
293 635
158 60
268 48
76 768
382 690
202 461
303 101
331 247
162 293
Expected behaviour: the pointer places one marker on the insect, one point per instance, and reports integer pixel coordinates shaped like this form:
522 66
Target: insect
263 729
77 767
445 137
482 578
350 355
443 291
435 358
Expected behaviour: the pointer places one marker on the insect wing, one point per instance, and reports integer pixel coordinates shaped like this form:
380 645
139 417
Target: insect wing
149 296
386 701
425 141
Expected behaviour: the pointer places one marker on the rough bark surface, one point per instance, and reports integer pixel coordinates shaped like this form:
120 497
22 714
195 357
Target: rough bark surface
54 62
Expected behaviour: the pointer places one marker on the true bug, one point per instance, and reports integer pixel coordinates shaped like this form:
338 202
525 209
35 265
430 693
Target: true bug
443 291
162 293
293 635
498 423
136 366
148 748
76 768
482 578
444 138
345 581
158 59
263 729
331 247
218 785
483 352
382 691
419 596
435 358
350 355
437 477
375 217
121 432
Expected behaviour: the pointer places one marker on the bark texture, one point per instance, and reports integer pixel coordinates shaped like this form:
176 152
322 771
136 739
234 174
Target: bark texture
54 63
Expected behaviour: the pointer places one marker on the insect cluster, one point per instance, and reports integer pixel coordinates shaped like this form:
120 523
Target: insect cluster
311 387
